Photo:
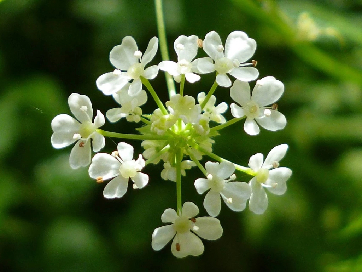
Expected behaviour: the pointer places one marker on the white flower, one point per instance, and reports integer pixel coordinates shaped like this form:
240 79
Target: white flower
130 106
184 107
235 194
186 50
183 230
131 66
274 180
68 130
266 91
120 167
169 172
212 112
238 49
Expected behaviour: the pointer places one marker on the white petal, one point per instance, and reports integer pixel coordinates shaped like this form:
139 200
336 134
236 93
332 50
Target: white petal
135 87
81 107
99 119
105 166
116 188
208 228
223 80
240 92
98 141
237 111
267 91
113 115
251 127
189 209
151 72
211 45
256 161
188 244
192 78
203 65
150 51
122 56
222 107
170 67
258 202
64 127
235 195
212 203
161 236
202 185
169 216
140 179
239 46
80 156
245 73
190 47
110 83
212 168
275 155
278 176
273 122
226 169
125 151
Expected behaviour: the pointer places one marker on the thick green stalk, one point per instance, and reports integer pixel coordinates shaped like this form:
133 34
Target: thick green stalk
207 98
131 136
154 95
228 123
179 156
163 45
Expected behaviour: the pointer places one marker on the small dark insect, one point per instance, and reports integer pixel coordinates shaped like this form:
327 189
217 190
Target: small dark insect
178 247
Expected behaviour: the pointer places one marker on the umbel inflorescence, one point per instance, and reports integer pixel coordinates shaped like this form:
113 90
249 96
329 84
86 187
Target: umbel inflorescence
180 132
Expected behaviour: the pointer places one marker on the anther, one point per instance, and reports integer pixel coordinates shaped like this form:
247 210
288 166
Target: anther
81 144
275 164
200 43
178 248
275 106
220 48
232 177
254 62
114 153
100 180
209 176
117 72
195 228
135 186
267 112
137 54
193 220
77 136
229 200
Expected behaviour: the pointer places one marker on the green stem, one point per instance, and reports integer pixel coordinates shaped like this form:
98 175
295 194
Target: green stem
228 123
207 98
163 45
145 120
158 154
196 161
240 168
131 136
179 156
154 95
182 85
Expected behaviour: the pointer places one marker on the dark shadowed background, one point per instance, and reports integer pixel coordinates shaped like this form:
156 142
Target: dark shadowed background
53 218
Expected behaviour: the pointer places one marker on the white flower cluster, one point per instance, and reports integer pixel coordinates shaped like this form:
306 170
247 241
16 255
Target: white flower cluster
180 132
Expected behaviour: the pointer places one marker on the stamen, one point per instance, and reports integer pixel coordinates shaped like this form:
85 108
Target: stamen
209 176
254 62
195 228
232 177
115 154
220 48
137 54
229 200
267 112
117 72
180 46
275 164
81 144
200 43
275 106
135 186
100 180
77 136
178 248
193 220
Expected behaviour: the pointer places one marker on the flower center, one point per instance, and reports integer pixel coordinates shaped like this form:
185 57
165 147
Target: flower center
135 71
223 65
182 224
86 129
216 184
252 109
184 67
262 175
128 169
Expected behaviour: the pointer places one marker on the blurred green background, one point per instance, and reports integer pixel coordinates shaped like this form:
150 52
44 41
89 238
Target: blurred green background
53 218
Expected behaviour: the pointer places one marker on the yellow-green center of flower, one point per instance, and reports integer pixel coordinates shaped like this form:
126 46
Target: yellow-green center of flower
262 175
128 169
86 129
216 184
182 224
252 109
135 71
223 65
184 66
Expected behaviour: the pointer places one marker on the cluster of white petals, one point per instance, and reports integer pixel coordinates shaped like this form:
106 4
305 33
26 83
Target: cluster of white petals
67 130
180 132
119 167
185 231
